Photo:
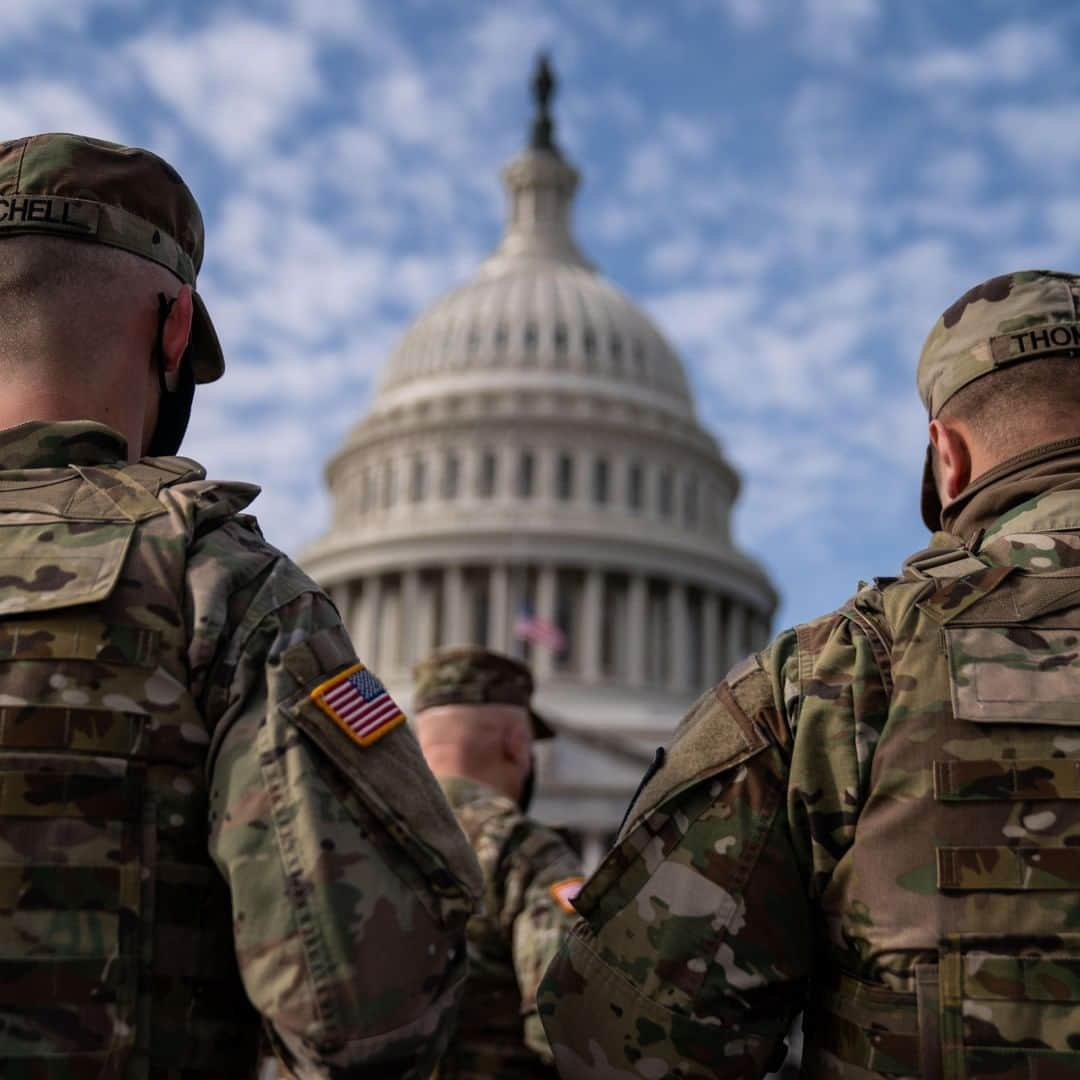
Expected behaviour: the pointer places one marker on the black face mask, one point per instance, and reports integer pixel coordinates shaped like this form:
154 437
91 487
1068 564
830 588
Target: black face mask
528 786
174 409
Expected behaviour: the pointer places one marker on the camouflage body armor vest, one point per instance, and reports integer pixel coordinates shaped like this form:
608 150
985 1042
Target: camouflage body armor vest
489 1042
953 921
116 945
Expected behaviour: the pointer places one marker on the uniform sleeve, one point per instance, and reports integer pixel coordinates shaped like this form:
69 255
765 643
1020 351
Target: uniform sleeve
544 873
694 950
350 880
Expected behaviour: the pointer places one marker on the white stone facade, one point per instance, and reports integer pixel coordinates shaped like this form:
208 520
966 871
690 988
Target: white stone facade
533 444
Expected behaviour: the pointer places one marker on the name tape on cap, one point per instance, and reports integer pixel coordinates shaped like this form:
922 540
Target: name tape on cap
51 213
1007 348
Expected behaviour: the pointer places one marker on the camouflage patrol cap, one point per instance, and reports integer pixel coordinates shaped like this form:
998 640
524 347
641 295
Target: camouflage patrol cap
1007 320
471 675
88 189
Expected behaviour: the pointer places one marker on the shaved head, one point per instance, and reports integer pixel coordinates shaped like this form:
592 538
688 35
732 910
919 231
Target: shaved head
79 334
489 743
1000 416
1020 406
71 303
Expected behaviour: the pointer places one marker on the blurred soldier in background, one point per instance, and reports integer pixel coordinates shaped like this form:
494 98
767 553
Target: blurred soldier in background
210 810
879 815
476 729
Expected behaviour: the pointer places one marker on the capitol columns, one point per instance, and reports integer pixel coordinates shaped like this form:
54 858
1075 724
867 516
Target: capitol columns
370 610
710 638
735 645
499 610
457 615
410 616
635 628
678 637
591 628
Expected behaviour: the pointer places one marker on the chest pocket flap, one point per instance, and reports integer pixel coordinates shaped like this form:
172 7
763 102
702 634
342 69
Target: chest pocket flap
1012 674
60 564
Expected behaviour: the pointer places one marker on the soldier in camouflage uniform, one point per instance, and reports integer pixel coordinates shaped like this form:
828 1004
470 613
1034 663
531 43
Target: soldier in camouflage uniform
476 729
210 815
878 817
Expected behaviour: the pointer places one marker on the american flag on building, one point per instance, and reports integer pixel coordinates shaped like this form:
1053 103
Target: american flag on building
530 627
359 703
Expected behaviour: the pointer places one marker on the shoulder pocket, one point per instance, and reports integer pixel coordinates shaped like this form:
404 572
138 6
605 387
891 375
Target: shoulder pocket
388 783
717 734
716 737
60 564
1015 674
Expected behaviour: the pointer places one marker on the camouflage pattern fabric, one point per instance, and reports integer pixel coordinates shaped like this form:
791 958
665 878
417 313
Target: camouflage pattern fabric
155 723
877 818
512 940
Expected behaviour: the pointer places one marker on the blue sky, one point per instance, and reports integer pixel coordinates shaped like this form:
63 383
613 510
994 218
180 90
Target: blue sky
794 189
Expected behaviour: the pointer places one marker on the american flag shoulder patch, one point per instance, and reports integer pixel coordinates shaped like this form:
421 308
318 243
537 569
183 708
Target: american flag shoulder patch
358 703
564 892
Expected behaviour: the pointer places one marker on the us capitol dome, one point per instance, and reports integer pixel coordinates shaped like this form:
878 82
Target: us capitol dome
532 460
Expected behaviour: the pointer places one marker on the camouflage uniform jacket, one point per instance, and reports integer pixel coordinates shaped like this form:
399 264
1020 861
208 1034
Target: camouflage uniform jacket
876 818
525 918
157 664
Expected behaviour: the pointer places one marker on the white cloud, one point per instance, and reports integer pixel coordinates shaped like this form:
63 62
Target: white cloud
408 107
674 141
296 275
956 172
1063 218
835 29
747 13
236 82
39 105
676 255
632 29
49 16
1040 136
1011 54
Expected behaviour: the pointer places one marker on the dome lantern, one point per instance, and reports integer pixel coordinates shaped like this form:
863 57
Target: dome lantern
541 186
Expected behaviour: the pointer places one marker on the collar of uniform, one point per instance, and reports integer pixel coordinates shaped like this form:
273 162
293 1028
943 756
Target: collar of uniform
461 790
44 444
1007 486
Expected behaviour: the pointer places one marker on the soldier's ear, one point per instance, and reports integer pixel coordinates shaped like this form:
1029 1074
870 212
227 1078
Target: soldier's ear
176 333
952 469
515 742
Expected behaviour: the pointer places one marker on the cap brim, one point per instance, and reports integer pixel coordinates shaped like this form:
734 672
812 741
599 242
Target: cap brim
930 503
541 729
207 359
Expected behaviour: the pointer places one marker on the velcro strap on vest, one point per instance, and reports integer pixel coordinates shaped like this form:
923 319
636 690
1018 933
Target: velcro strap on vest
868 1026
47 727
79 639
71 795
104 1065
31 983
996 780
69 888
993 869
955 595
